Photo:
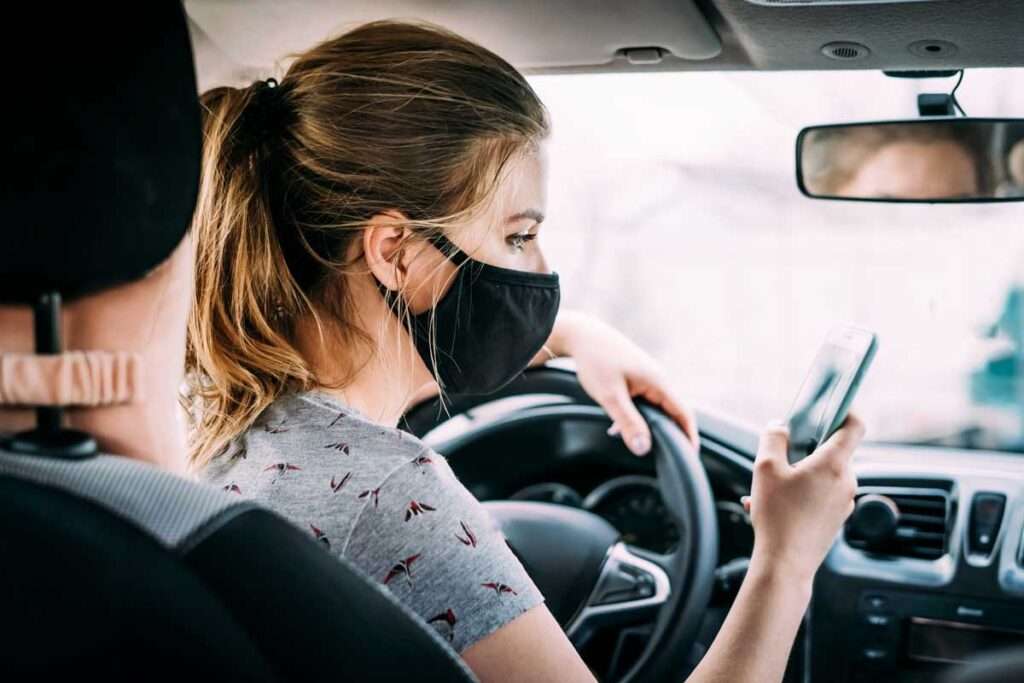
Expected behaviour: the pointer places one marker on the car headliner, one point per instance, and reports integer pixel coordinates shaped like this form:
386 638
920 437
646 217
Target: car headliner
237 41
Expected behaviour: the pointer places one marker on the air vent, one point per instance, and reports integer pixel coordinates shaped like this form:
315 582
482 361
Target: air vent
921 527
845 51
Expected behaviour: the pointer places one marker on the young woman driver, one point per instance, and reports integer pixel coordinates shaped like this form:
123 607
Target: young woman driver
367 228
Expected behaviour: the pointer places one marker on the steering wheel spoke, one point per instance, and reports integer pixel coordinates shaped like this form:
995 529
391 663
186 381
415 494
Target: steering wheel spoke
631 589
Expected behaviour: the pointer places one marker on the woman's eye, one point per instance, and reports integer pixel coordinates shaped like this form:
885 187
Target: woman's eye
519 240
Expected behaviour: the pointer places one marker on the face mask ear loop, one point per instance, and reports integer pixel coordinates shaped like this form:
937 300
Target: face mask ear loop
448 248
398 307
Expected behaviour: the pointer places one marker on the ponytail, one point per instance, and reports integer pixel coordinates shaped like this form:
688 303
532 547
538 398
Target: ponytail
246 299
391 116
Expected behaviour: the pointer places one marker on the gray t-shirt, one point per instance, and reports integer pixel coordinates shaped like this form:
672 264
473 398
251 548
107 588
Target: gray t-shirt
387 503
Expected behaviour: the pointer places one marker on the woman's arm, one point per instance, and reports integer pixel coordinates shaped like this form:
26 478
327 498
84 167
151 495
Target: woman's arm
796 511
753 644
530 649
614 370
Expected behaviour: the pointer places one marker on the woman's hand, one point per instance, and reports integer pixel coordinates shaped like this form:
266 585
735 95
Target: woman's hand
797 510
613 370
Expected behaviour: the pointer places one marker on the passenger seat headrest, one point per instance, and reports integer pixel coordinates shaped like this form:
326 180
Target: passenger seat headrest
102 149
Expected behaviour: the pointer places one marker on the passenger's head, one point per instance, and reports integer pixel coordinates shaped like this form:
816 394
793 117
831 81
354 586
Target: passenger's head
101 177
894 161
320 189
145 318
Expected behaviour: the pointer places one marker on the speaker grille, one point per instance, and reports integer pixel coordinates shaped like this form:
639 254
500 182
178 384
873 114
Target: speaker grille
845 52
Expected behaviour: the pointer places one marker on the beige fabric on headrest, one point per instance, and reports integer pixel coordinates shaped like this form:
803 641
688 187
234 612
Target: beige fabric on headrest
73 378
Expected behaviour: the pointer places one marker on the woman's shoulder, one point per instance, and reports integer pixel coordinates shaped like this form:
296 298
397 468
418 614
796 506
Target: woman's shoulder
319 437
425 536
391 505
312 422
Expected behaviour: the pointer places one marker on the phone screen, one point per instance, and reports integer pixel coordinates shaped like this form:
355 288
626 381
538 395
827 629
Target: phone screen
825 396
824 387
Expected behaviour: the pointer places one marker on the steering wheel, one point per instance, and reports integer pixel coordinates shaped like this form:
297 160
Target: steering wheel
589 578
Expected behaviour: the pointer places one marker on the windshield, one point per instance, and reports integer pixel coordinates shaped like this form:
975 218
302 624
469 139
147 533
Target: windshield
674 214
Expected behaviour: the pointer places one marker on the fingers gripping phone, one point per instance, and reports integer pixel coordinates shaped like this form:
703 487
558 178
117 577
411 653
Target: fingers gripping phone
824 398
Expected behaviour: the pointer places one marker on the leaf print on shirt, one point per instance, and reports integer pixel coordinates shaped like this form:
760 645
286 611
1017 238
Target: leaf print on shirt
470 538
499 589
421 463
446 623
336 420
403 568
320 536
282 468
416 509
339 446
279 429
233 488
339 485
374 495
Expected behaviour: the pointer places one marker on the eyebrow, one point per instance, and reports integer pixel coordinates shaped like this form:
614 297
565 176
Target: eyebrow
532 214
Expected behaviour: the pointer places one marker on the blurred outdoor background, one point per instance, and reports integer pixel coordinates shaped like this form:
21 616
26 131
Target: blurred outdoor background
674 214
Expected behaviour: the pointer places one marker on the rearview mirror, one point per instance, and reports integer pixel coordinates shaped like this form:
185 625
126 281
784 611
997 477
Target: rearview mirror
937 160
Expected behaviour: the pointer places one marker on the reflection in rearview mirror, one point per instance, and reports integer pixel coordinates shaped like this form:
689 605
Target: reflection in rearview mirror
943 160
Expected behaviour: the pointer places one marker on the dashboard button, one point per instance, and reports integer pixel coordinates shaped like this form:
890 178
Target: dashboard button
618 586
986 516
645 586
874 602
879 620
970 612
620 583
875 654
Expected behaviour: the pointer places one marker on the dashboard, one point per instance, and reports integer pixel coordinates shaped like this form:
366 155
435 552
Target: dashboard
928 571
633 505
575 463
630 503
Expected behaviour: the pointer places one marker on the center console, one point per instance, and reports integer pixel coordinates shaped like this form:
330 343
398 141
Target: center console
928 572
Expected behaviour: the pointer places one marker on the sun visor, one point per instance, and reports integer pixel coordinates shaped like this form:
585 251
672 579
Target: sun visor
533 35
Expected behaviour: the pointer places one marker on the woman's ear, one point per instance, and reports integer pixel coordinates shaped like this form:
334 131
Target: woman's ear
383 246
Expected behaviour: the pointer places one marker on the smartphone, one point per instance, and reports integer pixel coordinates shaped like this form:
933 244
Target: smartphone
826 394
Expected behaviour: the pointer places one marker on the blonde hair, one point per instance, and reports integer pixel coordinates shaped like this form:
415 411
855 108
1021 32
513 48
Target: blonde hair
389 117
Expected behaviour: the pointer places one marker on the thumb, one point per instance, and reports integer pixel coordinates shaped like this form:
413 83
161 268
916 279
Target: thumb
774 444
627 420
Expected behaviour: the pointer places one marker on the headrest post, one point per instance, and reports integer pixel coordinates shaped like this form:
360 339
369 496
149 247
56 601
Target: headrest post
48 342
47 323
49 438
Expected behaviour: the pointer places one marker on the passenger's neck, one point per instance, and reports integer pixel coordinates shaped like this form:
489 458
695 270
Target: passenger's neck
157 425
151 429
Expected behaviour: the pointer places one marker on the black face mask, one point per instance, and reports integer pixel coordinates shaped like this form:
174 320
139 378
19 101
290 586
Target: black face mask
487 327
